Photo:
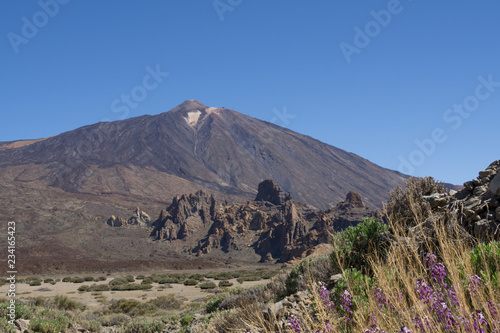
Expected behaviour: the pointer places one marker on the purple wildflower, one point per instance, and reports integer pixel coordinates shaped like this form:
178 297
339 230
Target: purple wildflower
294 323
346 304
324 294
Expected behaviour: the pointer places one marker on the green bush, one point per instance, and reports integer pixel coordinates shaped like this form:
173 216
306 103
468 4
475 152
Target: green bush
21 311
6 327
115 319
49 325
359 285
78 280
143 309
268 274
147 280
140 277
197 277
225 283
92 325
168 280
66 279
123 305
143 326
131 286
88 278
485 260
84 288
208 285
48 281
190 282
354 244
117 281
101 278
65 303
129 278
100 287
167 302
186 319
223 276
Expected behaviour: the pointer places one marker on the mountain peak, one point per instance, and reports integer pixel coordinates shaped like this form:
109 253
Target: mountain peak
190 105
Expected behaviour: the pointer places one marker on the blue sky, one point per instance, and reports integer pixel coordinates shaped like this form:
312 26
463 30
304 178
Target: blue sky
409 85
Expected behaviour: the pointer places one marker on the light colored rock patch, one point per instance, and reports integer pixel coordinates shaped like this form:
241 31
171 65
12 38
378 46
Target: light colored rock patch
212 110
193 117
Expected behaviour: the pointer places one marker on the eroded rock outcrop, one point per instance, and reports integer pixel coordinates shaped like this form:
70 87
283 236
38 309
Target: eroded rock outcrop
139 219
478 204
270 191
273 227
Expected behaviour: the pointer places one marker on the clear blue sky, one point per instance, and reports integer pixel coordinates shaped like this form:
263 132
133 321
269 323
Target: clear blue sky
266 58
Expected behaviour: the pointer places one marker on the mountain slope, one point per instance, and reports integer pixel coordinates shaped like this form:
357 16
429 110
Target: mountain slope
216 149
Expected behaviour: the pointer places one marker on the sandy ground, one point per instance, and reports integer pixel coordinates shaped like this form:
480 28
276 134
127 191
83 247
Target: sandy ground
186 293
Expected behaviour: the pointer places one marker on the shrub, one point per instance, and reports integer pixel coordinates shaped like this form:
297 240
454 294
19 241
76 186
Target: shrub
123 305
65 303
78 280
225 283
147 280
101 278
168 280
223 276
88 278
100 287
354 244
92 325
6 327
167 302
190 282
213 303
186 319
118 281
144 326
143 309
49 325
267 274
197 277
406 204
131 286
116 319
21 311
208 285
485 261
84 288
48 281
66 279
140 277
129 278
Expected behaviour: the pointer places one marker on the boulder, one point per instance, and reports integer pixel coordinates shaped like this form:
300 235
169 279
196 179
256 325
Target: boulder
494 187
354 199
484 229
22 324
270 191
436 200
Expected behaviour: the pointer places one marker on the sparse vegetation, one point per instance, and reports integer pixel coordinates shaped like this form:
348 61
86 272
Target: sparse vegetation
208 285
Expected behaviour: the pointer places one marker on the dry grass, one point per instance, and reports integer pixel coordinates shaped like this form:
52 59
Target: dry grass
388 300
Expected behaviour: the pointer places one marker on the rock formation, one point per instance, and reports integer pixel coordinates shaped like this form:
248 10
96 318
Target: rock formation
478 203
138 219
270 191
273 227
